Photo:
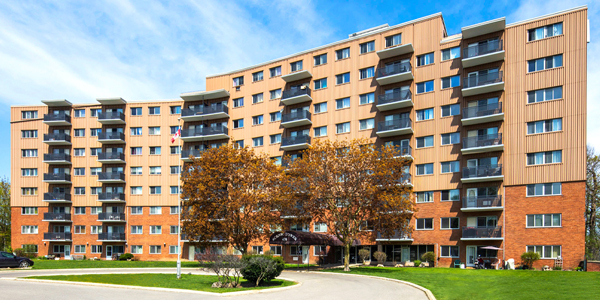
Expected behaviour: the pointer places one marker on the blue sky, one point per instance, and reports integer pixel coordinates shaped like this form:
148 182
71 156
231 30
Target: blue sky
141 50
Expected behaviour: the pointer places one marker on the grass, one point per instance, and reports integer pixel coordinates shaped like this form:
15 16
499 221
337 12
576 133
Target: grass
446 283
295 266
187 282
86 264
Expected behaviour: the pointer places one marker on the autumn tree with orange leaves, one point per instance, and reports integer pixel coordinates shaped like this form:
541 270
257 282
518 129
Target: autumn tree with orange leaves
232 194
349 185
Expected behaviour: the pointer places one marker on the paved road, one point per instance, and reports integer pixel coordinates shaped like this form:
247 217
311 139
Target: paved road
314 286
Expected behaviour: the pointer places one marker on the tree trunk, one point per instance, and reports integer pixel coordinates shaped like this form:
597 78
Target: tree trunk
347 258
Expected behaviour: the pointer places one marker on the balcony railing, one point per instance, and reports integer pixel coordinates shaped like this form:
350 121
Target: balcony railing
482 201
295 92
394 97
113 236
194 153
111 176
57 217
482 49
481 80
482 140
111 217
57 137
403 150
111 136
111 197
57 197
482 171
483 233
394 69
394 124
57 236
295 116
57 117
111 156
398 235
111 115
295 140
482 110
57 157
204 131
205 110
57 177
406 179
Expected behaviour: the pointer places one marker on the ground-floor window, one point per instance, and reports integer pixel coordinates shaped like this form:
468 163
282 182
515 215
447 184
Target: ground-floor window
295 250
276 250
546 251
155 249
136 249
320 250
96 249
257 249
79 249
118 249
58 249
173 249
486 252
30 248
402 253
449 251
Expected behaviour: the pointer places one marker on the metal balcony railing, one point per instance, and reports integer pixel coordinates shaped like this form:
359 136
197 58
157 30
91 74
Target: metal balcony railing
398 235
57 177
57 137
111 197
113 236
402 150
482 201
485 232
57 196
295 92
482 49
394 97
57 157
394 69
111 156
394 124
193 153
406 178
111 136
111 217
482 171
111 115
204 131
57 236
295 116
481 80
482 140
205 110
482 110
57 117
111 176
57 217
295 140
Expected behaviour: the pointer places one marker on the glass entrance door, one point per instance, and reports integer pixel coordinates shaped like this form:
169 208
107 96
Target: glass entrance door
471 255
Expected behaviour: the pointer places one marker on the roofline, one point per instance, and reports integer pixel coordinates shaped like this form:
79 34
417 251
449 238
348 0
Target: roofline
98 104
547 16
439 14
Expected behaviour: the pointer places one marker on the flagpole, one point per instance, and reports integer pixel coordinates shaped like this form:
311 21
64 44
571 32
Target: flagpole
179 206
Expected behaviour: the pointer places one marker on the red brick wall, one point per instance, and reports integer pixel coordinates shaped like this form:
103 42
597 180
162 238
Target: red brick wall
593 266
165 239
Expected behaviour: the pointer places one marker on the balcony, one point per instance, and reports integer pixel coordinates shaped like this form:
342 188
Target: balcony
185 154
397 237
111 177
481 234
483 28
111 137
57 217
394 73
483 54
295 96
204 95
483 173
297 142
111 237
57 158
205 134
111 217
111 118
57 178
481 84
297 75
207 112
394 127
406 179
60 119
57 197
482 144
395 51
57 139
111 197
482 203
482 114
111 157
394 100
57 236
300 118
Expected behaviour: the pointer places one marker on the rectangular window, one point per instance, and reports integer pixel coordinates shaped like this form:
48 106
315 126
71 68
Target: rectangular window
136 170
136 150
275 116
80 210
30 248
450 53
95 229
94 112
239 123
541 158
425 114
450 195
96 249
342 103
175 110
155 190
79 152
136 111
79 132
154 110
545 32
425 141
155 229
257 120
393 40
136 131
257 141
545 63
156 249
320 131
29 114
155 150
29 172
425 59
544 189
94 171
174 211
296 66
450 82
137 249
425 169
275 94
29 229
320 107
548 94
95 151
320 227
29 210
239 102
29 191
342 53
257 98
544 220
95 190
30 133
174 229
544 126
155 170
175 249
275 138
79 249
424 197
366 98
154 130
320 59
449 251
79 113
136 190
321 83
319 250
238 81
342 78
276 160
239 144
96 210
450 138
367 124
342 127
424 87
275 250
175 149
366 73
546 252
173 129
175 169
450 110
79 190
95 131
137 229
450 167
79 171
449 223
367 47
258 76
275 71
79 229
425 224
29 153
137 210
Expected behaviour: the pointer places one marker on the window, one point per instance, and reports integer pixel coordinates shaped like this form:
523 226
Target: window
174 211
299 227
257 141
367 124
546 251
257 98
276 160
342 78
393 40
94 171
30 248
342 53
136 150
136 111
175 169
450 53
450 110
154 130
342 103
367 47
296 66
154 110
79 190
29 114
95 151
238 81
275 71
319 250
136 130
544 63
545 94
137 229
155 151
29 191
544 126
258 76
450 167
545 32
79 171
320 107
541 158
275 94
425 141
79 210
137 210
137 249
175 110
155 229
239 102
545 220
174 191
174 129
29 172
95 190
424 87
95 229
175 249
275 250
366 73
321 83
449 223
320 131
156 170
367 98
29 229
240 144
155 249
425 169
96 210
79 229
95 131
275 138
96 249
155 190
239 123
175 149
450 82
94 112
275 116
449 251
425 224
34 133
450 195
29 153
79 152
136 190
342 127
257 120
544 189
29 210
425 114
320 227
320 59
424 197
136 170
79 249
425 59
79 113
451 138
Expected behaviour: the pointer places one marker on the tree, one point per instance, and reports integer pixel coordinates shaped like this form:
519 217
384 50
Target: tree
592 204
231 194
4 214
352 186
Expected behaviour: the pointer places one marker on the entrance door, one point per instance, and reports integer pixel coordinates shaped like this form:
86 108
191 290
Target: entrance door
471 255
109 252
405 254
67 251
472 197
305 250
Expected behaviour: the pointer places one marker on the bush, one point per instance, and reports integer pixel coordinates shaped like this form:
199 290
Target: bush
429 257
380 257
259 268
557 268
364 254
126 256
528 258
417 263
19 252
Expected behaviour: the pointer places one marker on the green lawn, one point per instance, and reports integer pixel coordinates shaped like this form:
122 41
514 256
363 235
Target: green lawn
187 282
446 283
86 264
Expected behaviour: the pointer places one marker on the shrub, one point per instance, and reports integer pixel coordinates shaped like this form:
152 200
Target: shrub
126 256
19 252
428 257
364 254
557 268
259 268
417 263
380 257
528 258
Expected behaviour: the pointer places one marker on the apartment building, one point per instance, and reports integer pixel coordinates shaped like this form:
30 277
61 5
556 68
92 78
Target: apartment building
493 118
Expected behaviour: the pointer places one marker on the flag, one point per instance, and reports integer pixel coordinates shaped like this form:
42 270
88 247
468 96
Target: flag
176 135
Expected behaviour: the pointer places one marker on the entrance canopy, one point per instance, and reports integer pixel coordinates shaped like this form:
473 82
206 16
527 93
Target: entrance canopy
306 238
